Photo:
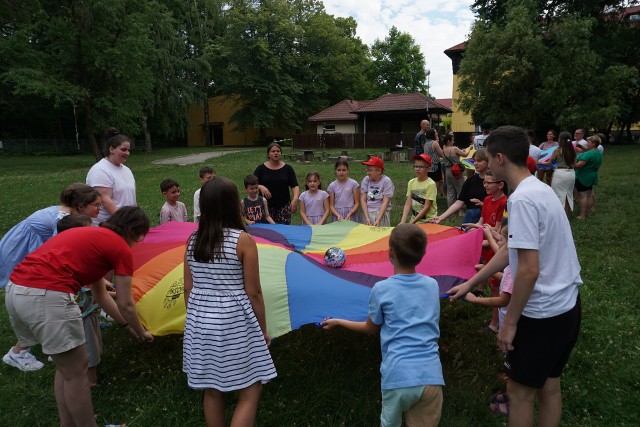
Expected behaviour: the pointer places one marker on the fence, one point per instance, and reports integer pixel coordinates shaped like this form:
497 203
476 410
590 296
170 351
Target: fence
353 140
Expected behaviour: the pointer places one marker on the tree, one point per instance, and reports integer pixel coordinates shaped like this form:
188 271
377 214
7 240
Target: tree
398 65
284 60
524 71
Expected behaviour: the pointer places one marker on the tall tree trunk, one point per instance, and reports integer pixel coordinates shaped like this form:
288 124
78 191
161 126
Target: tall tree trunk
88 128
629 134
147 134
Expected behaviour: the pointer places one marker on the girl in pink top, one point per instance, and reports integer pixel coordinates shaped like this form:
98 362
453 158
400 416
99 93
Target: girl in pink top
344 194
314 208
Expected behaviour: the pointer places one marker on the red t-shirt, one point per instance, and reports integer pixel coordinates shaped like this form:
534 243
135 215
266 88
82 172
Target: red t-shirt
492 211
75 258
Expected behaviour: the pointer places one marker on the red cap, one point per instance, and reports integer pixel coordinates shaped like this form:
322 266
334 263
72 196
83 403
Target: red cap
531 164
374 161
424 157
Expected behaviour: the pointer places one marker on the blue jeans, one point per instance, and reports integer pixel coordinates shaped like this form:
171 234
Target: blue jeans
472 215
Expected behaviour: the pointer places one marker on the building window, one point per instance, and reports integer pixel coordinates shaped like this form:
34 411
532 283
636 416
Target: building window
328 128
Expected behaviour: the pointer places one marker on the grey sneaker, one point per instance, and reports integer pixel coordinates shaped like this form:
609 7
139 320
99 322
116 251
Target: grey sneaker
24 360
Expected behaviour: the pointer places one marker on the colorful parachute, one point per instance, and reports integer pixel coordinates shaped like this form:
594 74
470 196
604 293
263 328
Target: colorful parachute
545 155
298 287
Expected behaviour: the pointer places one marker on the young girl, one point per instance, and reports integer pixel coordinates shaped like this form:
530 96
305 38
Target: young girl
225 334
344 194
314 208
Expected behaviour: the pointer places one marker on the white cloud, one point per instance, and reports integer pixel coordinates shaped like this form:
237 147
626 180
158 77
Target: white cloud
435 25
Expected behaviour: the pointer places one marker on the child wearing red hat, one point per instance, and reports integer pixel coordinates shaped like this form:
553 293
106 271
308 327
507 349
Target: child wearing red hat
376 192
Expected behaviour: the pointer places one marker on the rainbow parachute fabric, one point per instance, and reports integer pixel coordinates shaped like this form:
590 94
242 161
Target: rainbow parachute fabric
298 287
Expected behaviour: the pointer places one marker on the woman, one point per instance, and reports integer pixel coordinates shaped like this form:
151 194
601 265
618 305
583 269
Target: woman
42 309
113 180
547 170
564 178
586 168
275 178
29 235
451 156
472 193
432 148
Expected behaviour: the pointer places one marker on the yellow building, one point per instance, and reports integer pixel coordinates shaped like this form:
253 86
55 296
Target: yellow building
460 122
221 132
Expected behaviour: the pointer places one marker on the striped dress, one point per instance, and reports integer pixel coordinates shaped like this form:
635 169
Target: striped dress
224 348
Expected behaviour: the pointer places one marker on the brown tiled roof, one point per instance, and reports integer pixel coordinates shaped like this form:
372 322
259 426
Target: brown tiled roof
447 102
402 102
340 111
459 46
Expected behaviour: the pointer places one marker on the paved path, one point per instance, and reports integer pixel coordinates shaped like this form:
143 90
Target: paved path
194 158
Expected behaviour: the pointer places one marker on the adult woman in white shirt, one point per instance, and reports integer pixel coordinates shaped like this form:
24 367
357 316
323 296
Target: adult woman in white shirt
113 180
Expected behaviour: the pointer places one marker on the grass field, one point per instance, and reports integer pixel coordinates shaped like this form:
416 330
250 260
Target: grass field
331 378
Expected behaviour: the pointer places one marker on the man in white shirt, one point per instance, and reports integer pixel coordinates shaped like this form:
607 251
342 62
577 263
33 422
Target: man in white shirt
579 142
543 319
478 141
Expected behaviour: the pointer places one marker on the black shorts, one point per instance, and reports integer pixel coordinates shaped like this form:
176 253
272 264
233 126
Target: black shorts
437 174
542 347
581 187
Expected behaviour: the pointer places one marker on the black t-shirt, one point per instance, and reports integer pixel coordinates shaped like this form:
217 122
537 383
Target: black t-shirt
473 188
278 182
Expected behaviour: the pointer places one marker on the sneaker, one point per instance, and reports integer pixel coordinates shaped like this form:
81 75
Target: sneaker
24 360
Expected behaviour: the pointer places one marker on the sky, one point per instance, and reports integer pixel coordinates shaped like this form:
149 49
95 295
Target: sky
435 25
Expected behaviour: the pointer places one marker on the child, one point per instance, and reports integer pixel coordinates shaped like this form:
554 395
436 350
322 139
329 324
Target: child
493 207
421 193
344 194
206 174
173 209
405 309
376 192
314 206
255 209
542 324
225 335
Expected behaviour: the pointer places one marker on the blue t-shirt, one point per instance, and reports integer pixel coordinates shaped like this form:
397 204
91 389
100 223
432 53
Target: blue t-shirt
407 308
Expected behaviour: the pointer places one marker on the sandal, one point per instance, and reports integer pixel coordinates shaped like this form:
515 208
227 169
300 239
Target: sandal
500 408
500 397
487 329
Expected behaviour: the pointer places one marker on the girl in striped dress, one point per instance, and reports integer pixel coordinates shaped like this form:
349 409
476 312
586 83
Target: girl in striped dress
225 335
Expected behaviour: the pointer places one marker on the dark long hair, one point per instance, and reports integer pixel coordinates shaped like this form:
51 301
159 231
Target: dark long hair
130 222
219 209
114 138
78 195
567 149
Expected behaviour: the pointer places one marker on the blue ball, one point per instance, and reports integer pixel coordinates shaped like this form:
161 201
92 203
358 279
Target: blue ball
335 257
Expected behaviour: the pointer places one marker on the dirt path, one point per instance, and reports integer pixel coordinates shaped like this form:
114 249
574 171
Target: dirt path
194 158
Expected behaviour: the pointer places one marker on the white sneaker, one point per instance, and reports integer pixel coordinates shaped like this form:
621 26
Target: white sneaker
24 360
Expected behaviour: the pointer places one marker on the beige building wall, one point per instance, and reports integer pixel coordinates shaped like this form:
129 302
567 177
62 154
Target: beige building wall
221 108
341 127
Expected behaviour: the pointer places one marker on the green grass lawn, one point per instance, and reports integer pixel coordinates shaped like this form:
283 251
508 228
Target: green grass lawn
331 378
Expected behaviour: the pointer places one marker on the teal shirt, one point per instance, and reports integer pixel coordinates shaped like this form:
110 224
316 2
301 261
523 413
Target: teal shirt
588 174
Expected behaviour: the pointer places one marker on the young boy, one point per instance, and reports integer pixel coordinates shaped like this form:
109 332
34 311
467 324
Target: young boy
376 192
405 309
173 209
543 320
421 193
255 209
206 174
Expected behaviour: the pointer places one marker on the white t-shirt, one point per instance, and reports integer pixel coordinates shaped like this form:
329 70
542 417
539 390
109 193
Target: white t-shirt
196 205
537 221
534 152
119 179
478 141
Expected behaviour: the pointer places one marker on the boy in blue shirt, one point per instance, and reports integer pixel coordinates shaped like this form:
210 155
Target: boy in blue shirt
405 309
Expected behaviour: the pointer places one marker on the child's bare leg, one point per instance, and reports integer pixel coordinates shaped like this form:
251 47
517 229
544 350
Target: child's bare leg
550 403
72 388
245 413
213 404
495 292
